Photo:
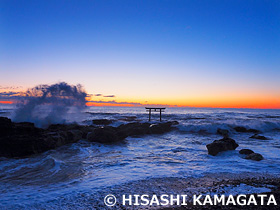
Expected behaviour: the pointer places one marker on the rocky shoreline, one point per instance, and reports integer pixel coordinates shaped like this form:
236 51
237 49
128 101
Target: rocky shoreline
23 139
273 183
211 184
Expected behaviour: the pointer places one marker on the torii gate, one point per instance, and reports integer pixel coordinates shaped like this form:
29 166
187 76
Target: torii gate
148 109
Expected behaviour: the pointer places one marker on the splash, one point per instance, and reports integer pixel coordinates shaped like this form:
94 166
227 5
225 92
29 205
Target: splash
50 104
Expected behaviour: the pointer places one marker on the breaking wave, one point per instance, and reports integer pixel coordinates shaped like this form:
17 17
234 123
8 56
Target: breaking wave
49 104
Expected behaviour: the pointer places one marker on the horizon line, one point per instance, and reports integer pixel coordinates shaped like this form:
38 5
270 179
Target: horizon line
160 105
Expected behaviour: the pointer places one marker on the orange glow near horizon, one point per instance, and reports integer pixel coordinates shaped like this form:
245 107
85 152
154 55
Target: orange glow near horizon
6 102
254 103
218 103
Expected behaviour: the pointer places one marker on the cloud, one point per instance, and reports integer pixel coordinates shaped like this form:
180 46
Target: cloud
10 96
99 94
115 102
10 87
109 96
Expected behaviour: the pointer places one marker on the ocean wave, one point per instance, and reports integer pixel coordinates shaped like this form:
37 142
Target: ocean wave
211 128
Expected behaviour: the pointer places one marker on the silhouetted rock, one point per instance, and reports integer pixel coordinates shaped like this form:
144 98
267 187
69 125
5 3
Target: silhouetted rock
243 130
24 139
246 151
251 130
102 122
26 128
105 135
6 126
223 132
74 136
162 127
254 156
132 129
256 136
240 129
221 145
129 118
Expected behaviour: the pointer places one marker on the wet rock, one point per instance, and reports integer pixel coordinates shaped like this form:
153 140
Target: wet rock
24 145
162 127
221 145
245 130
26 128
102 122
74 136
6 126
246 151
223 132
132 129
253 130
24 139
254 156
104 135
240 129
136 129
256 136
129 118
53 140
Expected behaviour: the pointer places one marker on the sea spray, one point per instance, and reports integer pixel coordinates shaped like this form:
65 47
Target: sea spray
50 104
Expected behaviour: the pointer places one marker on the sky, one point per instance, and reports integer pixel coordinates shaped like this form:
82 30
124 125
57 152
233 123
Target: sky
195 53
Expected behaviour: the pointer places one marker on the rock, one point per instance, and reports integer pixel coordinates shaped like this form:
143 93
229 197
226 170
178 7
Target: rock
102 122
254 156
6 126
136 129
104 135
53 140
129 118
221 145
253 130
132 129
26 128
74 136
243 130
223 132
162 127
246 151
240 129
24 139
256 136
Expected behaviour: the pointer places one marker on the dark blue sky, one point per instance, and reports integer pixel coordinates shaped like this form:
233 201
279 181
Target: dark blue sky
194 49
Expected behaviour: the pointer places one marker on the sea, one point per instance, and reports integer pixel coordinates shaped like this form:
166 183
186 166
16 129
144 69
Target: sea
79 175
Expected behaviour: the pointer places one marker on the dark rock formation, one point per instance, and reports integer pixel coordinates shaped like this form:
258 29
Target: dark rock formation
24 139
6 126
254 156
246 151
162 127
129 118
223 132
245 130
256 136
132 129
251 155
102 122
221 145
104 135
110 134
135 129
